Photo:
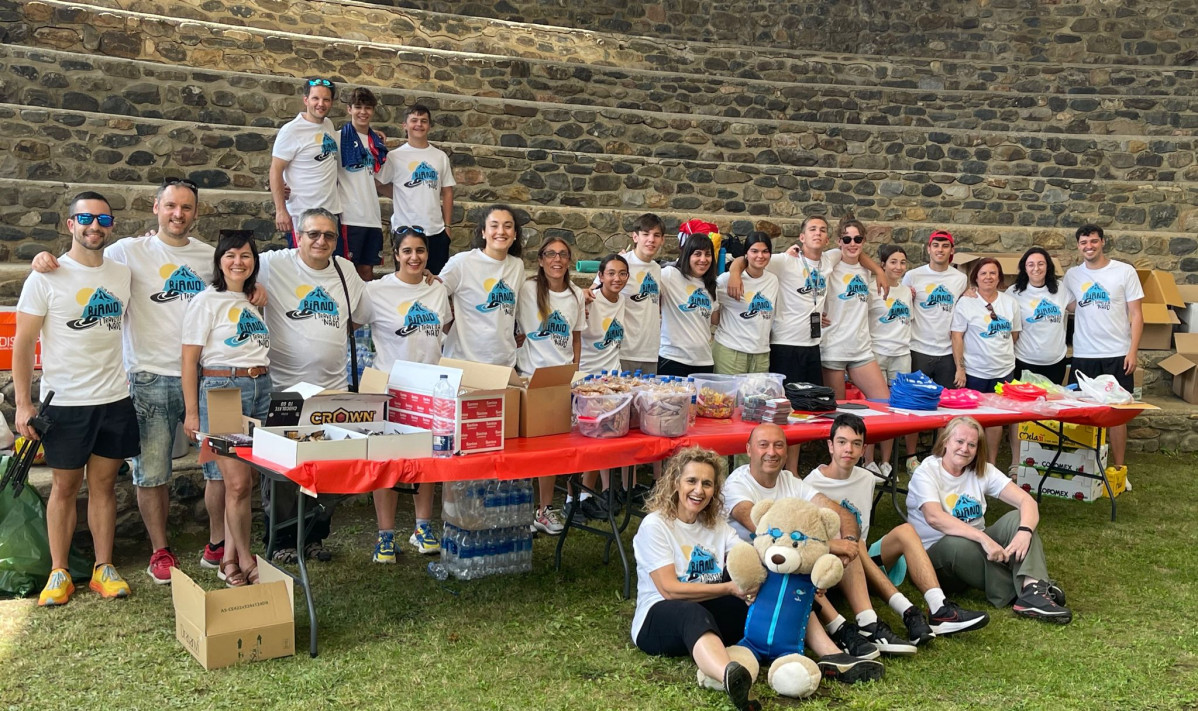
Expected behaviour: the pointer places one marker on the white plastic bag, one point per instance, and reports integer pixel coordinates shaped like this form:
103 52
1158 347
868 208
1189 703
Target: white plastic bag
7 438
1104 389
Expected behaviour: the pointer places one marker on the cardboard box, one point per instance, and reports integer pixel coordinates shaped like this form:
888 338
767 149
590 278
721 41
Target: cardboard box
1189 313
1009 261
396 441
484 400
225 418
545 403
1183 366
1064 486
307 404
1160 298
236 625
1075 435
1071 461
1118 480
273 445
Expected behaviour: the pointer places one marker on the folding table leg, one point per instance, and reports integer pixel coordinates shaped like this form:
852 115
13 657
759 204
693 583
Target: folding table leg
300 540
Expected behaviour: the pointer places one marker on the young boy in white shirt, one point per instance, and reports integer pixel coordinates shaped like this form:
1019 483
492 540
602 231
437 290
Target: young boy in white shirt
363 156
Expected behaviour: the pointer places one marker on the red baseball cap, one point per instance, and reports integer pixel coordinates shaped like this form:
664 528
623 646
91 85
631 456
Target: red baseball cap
941 234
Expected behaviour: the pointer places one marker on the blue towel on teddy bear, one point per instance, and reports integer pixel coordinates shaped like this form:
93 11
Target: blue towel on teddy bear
777 620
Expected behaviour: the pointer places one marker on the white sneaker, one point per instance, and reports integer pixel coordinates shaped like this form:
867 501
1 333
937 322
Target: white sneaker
873 467
549 521
886 470
912 464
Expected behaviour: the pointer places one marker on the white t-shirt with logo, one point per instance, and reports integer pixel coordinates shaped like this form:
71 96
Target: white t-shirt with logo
740 486
847 307
890 321
360 205
1101 325
416 176
936 294
165 280
856 493
83 310
989 349
229 328
313 154
964 497
686 308
696 552
548 338
306 314
803 286
1042 340
642 316
603 335
407 320
484 293
745 323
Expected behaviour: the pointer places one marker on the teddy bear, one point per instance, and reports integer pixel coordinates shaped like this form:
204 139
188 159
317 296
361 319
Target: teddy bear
781 570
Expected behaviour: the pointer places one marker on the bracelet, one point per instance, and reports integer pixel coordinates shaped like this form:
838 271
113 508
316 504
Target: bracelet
1025 528
849 538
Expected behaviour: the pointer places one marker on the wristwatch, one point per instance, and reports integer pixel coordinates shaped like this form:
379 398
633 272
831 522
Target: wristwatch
850 538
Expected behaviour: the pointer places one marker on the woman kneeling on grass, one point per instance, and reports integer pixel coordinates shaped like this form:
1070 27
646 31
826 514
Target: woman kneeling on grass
946 503
682 604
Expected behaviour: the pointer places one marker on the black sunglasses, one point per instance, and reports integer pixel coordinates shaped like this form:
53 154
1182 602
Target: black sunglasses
167 182
846 239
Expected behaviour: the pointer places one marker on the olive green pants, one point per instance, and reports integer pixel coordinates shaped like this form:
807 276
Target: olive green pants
962 561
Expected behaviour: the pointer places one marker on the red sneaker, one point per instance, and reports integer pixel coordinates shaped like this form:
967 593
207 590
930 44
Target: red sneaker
161 563
211 557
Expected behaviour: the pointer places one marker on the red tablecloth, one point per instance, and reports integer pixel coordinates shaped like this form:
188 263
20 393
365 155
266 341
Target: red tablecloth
568 453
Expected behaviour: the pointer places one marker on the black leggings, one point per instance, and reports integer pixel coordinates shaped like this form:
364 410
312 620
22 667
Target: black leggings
673 627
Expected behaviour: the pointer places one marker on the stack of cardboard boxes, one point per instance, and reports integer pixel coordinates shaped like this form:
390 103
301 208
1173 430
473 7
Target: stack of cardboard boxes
1084 451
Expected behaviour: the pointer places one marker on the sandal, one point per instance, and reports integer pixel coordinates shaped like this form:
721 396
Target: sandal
251 575
232 574
316 550
285 555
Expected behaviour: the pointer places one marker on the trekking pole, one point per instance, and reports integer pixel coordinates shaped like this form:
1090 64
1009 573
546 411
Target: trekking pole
18 467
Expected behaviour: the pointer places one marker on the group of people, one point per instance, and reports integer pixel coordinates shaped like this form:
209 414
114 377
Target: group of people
686 603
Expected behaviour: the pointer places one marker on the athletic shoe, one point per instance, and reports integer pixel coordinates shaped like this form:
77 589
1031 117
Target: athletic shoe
211 557
1055 592
107 582
886 470
58 590
737 682
161 563
593 508
850 639
640 492
873 468
848 669
1036 602
549 521
425 540
885 639
912 464
952 618
918 629
384 547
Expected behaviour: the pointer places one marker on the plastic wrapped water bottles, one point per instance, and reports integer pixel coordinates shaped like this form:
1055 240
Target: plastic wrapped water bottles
487 527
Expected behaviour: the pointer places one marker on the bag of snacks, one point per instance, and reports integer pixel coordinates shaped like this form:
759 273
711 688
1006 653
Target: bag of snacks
664 411
763 385
717 395
602 416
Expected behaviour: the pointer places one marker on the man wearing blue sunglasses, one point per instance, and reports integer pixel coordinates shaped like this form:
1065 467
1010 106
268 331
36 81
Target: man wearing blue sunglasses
304 161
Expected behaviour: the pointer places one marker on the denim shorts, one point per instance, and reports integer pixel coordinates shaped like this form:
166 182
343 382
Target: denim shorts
255 401
158 400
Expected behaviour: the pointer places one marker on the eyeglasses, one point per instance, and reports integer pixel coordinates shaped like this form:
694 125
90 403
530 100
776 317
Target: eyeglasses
317 235
849 239
555 255
85 219
993 314
408 228
167 182
320 82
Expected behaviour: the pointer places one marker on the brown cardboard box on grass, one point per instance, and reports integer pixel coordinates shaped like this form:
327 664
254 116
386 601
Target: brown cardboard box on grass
235 625
545 403
1009 261
1183 366
1160 298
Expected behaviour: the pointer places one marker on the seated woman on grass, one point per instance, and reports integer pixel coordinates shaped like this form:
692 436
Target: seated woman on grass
683 607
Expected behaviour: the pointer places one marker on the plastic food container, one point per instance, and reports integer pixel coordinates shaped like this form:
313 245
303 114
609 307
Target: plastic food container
663 414
602 416
717 395
765 385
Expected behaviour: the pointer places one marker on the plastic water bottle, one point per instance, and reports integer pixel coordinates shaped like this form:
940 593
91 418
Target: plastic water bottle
445 404
690 383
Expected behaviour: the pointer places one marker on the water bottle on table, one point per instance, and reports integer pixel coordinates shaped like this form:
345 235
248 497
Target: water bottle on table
444 411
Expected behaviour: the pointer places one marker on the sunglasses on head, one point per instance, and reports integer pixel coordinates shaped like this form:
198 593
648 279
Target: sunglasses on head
848 239
167 182
85 219
408 228
320 82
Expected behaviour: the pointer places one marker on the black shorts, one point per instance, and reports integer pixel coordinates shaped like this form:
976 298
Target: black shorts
1054 372
797 364
438 251
365 244
665 366
941 369
79 431
1095 367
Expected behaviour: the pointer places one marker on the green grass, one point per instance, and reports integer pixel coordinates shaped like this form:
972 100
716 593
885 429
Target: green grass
391 637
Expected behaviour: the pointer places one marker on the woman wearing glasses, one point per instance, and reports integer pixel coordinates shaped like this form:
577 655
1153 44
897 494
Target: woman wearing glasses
984 329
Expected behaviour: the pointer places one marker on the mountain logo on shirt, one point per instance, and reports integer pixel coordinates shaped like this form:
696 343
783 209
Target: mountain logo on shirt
699 300
99 306
814 284
1045 311
855 288
758 306
939 297
316 303
965 507
181 283
648 288
328 147
418 318
422 174
996 326
249 327
613 334
1093 294
554 326
896 310
851 508
702 567
499 295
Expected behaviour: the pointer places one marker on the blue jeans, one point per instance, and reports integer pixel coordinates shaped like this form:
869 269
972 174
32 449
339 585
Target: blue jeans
158 401
255 401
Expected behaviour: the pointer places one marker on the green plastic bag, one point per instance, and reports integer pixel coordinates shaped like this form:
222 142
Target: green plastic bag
25 545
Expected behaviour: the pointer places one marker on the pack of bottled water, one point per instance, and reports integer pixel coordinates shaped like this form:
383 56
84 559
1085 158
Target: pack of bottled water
487 527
